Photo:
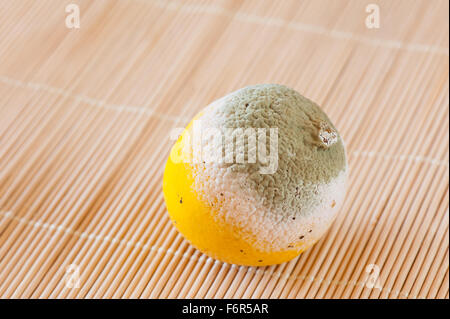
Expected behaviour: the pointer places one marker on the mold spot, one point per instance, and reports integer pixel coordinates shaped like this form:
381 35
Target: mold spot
293 218
221 194
310 230
301 237
290 246
260 261
181 200
327 135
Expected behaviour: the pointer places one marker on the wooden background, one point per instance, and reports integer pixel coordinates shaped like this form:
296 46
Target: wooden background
84 121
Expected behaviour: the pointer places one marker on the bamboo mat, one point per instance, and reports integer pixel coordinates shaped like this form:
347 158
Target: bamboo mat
85 116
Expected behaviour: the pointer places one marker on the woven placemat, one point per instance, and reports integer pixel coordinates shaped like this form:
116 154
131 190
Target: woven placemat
85 116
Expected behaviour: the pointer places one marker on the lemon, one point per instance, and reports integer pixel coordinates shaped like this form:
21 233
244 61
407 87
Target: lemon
257 177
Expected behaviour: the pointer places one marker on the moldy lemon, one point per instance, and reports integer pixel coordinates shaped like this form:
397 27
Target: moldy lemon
236 212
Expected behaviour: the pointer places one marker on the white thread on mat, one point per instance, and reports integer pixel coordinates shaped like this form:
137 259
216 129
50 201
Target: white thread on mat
310 28
181 120
411 158
202 258
85 99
